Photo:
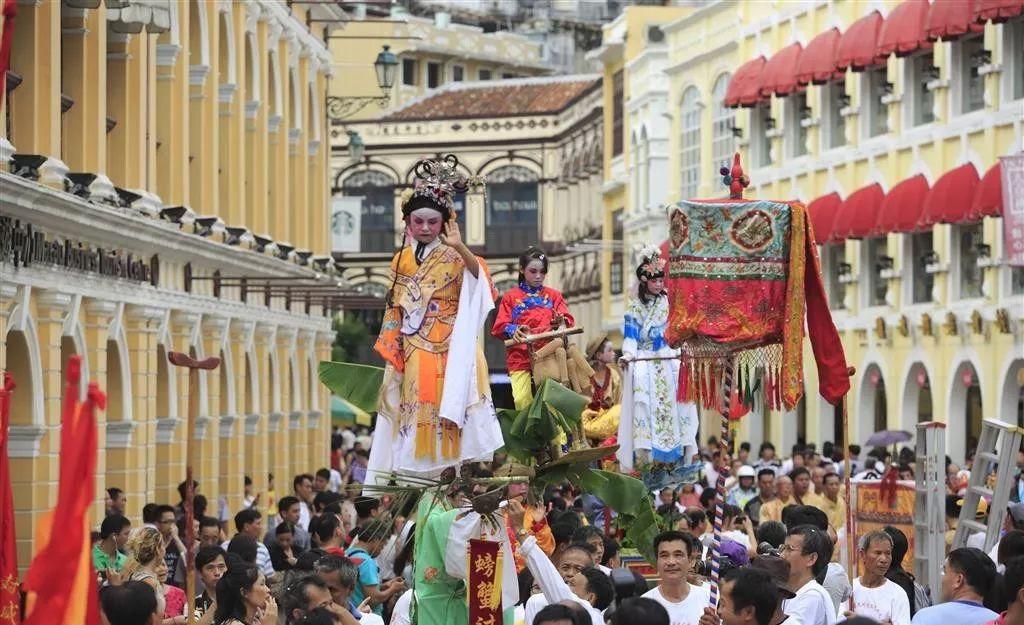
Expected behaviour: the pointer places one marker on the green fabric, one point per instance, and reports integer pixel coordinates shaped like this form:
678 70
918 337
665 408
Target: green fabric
441 600
101 561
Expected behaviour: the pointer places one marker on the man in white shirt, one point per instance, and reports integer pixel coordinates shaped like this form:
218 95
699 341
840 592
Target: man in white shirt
588 587
684 602
808 551
303 487
873 595
748 597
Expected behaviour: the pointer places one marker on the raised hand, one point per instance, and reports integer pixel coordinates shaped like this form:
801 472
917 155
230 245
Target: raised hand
452 236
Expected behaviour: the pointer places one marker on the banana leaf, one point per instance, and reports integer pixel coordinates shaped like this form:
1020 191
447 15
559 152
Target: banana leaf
357 384
631 500
554 410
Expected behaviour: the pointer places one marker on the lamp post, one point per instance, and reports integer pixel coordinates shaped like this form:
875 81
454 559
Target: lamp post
386 66
356 147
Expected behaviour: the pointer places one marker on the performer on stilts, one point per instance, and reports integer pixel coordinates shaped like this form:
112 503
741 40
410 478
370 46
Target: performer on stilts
654 427
435 406
601 416
532 308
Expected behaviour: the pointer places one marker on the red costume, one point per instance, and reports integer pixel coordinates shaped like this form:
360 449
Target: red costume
533 309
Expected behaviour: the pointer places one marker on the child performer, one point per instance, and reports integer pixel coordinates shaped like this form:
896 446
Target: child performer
435 404
653 424
601 416
530 308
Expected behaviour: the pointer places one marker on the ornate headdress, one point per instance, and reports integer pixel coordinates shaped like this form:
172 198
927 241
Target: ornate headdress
437 182
652 265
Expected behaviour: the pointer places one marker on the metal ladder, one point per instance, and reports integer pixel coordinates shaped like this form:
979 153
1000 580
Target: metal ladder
998 440
930 503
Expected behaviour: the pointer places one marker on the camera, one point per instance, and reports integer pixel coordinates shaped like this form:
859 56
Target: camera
766 549
703 567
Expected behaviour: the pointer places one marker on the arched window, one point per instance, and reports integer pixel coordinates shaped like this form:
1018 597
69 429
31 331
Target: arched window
723 144
377 222
690 143
512 206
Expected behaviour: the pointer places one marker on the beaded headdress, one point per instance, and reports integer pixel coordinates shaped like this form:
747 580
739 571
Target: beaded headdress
436 185
652 265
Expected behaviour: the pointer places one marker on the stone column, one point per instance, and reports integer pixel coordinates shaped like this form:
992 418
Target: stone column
208 471
101 318
172 114
35 105
84 63
307 404
142 324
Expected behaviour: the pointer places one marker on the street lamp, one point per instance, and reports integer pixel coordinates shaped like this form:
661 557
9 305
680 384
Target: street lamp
386 66
356 147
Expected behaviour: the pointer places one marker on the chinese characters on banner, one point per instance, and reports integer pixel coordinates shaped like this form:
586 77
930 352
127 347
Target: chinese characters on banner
1013 208
483 587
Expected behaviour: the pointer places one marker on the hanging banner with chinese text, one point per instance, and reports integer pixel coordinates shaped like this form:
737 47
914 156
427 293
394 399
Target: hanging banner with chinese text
483 586
1013 208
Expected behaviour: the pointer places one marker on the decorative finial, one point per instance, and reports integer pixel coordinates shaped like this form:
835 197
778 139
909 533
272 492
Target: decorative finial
734 178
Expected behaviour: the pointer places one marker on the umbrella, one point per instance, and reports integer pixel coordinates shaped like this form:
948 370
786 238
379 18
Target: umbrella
888 437
344 413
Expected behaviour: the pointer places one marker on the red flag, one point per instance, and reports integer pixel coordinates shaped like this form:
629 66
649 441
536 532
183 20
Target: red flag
10 595
55 573
10 9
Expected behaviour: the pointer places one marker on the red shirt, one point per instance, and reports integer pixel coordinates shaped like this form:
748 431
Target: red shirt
532 308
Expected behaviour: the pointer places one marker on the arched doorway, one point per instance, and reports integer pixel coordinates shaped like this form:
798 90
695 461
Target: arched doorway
19 365
377 215
965 412
916 406
872 412
513 207
115 377
1011 399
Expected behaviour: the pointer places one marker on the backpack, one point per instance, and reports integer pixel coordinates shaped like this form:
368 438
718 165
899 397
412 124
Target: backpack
921 599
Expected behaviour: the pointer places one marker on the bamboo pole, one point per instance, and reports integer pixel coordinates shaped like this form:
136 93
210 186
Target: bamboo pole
194 366
544 336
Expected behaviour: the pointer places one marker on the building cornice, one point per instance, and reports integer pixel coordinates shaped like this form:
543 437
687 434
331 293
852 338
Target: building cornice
704 57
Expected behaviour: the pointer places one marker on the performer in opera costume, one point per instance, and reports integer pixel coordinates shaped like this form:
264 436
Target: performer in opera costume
530 308
653 426
435 406
601 416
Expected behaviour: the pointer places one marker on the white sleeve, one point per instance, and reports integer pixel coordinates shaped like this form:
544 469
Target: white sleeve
533 606
403 608
900 606
551 583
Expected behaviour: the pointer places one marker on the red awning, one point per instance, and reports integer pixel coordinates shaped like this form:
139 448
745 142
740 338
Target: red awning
901 209
822 213
779 74
951 198
950 19
988 196
817 62
745 85
997 10
858 215
903 31
858 47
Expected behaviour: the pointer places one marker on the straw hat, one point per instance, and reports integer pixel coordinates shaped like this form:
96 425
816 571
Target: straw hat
595 344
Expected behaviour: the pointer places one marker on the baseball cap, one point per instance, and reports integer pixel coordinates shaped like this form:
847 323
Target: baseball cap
746 471
778 569
1016 510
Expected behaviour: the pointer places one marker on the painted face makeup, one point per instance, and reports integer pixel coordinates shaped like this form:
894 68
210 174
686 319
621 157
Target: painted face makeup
535 273
425 224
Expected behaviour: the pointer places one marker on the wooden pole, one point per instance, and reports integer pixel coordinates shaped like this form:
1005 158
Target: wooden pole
544 335
851 538
194 366
725 448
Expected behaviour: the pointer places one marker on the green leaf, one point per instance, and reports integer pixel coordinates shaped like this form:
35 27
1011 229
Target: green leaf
554 409
357 384
629 498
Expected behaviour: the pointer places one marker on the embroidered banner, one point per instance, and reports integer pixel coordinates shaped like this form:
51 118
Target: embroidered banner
872 512
484 583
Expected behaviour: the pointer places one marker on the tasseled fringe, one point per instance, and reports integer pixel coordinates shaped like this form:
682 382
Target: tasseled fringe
451 439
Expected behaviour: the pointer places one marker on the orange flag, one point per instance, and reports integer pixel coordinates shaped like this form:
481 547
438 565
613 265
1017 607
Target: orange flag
10 595
61 582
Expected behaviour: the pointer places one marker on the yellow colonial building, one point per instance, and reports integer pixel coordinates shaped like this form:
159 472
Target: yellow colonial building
888 120
164 188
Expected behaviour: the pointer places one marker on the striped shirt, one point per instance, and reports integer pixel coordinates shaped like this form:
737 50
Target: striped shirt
262 557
